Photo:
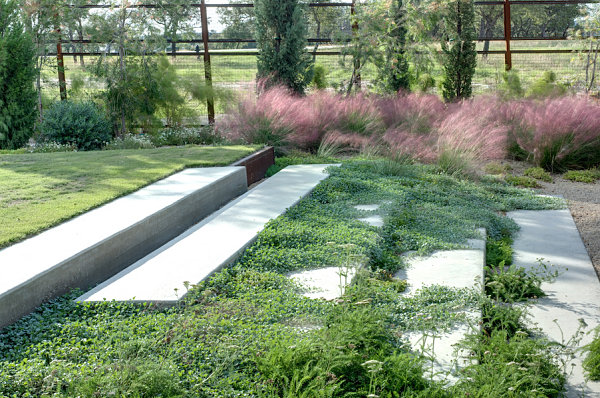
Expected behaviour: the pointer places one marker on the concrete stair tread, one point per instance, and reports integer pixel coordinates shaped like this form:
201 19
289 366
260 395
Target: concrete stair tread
97 244
211 244
65 240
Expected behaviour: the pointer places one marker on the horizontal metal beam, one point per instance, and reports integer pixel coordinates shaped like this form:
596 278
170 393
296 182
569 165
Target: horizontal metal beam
87 41
195 5
534 2
218 53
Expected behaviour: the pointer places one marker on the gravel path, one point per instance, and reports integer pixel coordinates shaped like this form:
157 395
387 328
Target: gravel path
584 202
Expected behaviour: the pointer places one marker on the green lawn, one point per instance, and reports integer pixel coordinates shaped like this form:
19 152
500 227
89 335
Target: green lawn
38 191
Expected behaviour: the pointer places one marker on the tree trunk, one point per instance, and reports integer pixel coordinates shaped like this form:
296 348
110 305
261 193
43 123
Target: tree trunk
80 34
318 21
122 64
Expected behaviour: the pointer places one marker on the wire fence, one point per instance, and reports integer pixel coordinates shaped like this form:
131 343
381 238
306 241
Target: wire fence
536 30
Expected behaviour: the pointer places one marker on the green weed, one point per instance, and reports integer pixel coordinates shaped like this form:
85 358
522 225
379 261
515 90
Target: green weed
499 251
591 363
496 168
522 181
589 176
538 173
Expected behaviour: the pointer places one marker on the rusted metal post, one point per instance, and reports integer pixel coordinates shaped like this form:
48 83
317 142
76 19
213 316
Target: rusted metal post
210 101
507 54
62 81
357 77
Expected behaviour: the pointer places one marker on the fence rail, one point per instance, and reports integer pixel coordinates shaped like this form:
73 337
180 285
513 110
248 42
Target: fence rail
203 49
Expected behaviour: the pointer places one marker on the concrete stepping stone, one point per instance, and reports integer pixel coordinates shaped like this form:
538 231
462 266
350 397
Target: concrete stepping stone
96 245
574 295
374 220
452 268
325 283
367 207
162 275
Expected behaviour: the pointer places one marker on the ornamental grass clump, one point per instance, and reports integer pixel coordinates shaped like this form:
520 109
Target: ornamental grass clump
558 133
262 119
473 130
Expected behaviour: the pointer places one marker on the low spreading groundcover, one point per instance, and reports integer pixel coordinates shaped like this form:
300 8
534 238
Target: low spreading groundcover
248 331
39 190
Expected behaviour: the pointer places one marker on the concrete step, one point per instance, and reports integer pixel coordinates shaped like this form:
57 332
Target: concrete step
96 245
164 275
455 269
552 235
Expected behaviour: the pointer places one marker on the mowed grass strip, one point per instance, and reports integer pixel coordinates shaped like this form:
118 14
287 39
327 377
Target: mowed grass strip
39 190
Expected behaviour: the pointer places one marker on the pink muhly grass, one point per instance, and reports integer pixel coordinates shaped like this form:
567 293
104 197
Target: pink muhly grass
335 143
561 133
414 113
472 128
277 116
263 119
402 144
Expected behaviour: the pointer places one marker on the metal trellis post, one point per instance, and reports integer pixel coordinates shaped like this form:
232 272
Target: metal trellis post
210 101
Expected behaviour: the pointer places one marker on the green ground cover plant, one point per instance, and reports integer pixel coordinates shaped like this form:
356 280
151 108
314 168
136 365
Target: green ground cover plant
496 168
521 181
590 176
538 173
248 331
40 190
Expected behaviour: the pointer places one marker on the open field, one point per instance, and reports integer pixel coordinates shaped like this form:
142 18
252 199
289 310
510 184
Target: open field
237 73
40 190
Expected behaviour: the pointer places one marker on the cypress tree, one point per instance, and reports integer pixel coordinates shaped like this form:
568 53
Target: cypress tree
460 57
281 35
17 76
397 75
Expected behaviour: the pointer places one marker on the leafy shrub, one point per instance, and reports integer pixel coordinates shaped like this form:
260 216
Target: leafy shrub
538 173
50 146
496 168
511 366
546 86
319 80
510 87
589 176
130 141
426 83
76 123
512 284
186 136
521 181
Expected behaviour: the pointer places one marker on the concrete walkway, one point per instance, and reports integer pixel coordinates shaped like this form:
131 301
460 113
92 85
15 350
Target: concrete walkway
553 236
96 245
455 269
162 276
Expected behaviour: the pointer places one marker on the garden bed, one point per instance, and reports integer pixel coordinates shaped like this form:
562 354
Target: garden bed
248 331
